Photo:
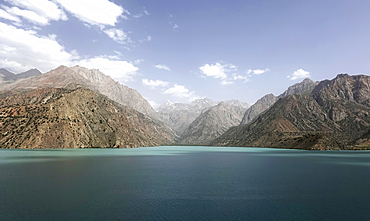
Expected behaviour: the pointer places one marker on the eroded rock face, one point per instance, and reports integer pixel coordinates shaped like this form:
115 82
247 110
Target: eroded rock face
212 123
80 118
333 116
263 104
179 115
349 88
260 106
93 79
306 86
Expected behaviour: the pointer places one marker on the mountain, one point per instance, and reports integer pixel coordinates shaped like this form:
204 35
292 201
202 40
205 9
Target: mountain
7 77
79 118
237 103
264 103
213 123
335 115
180 115
256 109
306 86
29 73
93 79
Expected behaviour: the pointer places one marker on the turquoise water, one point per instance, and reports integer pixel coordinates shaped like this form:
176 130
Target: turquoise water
184 183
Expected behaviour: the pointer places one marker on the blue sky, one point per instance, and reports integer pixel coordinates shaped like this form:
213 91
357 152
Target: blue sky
183 50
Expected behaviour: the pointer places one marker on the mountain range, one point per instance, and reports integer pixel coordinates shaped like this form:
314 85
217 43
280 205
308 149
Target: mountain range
334 115
264 103
180 116
212 123
7 77
76 107
74 83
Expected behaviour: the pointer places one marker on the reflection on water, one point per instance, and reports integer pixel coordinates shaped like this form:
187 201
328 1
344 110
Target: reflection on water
184 183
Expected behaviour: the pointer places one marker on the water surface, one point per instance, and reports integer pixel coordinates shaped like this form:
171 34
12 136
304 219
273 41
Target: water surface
184 183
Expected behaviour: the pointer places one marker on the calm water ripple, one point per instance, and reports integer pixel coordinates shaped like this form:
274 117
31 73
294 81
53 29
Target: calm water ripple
184 183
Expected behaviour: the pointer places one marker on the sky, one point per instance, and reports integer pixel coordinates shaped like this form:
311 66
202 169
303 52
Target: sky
185 50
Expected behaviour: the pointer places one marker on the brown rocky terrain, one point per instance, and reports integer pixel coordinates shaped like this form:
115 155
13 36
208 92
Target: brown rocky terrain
264 103
78 118
93 79
334 116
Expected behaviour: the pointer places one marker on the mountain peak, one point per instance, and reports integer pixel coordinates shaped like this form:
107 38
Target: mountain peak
222 103
306 86
343 75
93 79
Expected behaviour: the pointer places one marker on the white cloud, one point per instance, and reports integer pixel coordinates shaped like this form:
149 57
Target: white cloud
146 12
6 15
258 71
138 15
149 38
118 35
117 52
153 84
95 12
217 70
181 92
153 104
240 77
29 15
162 66
226 82
122 71
138 61
43 8
21 50
300 73
175 26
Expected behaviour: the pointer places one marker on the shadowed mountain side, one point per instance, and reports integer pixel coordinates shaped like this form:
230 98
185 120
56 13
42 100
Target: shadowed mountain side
80 118
335 116
212 124
93 79
7 77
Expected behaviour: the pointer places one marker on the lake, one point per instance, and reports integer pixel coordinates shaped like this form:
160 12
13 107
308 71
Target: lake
184 183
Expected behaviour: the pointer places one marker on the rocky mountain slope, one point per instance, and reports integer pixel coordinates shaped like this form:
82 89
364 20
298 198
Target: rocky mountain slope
7 77
180 115
306 86
93 79
264 103
335 115
79 118
260 106
212 123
